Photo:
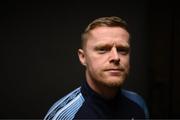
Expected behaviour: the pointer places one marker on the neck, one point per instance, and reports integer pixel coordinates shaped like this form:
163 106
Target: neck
103 90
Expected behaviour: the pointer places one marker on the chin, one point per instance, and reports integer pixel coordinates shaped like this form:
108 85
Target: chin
114 83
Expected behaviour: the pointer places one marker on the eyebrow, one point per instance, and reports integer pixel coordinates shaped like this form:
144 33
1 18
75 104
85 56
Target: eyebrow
111 45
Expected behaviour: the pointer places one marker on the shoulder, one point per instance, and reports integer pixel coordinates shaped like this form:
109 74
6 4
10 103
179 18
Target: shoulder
66 107
136 98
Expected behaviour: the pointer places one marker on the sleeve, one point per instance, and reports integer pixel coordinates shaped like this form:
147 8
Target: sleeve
137 99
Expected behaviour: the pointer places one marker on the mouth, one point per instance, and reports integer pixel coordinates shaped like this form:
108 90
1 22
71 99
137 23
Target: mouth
114 71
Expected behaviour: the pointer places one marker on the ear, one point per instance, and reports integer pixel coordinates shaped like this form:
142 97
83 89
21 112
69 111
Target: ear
82 57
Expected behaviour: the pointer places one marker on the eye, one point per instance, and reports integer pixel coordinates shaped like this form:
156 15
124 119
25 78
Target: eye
102 50
123 51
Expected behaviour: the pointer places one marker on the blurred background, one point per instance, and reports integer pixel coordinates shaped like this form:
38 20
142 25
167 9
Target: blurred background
39 62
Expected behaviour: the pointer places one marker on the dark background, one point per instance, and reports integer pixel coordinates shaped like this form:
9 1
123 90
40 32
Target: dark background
39 62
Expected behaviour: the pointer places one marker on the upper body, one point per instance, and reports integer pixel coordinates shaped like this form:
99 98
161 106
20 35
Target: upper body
84 103
105 54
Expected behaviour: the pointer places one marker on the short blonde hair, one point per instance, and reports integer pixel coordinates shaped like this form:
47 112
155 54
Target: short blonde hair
111 21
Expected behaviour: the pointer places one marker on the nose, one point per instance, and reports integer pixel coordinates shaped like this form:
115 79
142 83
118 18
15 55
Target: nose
114 56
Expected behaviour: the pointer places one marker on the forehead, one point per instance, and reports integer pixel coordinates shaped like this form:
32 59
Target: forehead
108 35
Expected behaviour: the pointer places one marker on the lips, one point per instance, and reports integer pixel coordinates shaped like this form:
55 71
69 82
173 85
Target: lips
113 69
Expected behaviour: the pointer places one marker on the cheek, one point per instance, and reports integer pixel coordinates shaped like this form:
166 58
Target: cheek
96 63
125 61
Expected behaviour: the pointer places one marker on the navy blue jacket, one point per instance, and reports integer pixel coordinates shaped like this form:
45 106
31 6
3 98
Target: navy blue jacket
84 103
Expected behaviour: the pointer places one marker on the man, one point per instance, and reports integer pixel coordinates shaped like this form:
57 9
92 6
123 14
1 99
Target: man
105 54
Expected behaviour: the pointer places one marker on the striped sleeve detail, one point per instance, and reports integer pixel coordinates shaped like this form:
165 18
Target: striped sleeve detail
67 107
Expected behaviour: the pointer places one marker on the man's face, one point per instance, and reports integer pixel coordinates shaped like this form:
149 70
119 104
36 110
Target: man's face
106 56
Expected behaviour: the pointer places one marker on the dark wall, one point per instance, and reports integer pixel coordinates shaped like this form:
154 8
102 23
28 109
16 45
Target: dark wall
164 65
39 62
